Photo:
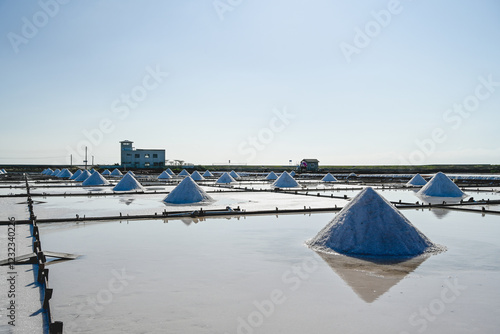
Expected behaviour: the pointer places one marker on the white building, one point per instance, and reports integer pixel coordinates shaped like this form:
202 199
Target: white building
141 158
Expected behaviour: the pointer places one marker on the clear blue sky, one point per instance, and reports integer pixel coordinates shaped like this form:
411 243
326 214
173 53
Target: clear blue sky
251 81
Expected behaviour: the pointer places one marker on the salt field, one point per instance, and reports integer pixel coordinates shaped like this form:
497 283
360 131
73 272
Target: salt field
235 259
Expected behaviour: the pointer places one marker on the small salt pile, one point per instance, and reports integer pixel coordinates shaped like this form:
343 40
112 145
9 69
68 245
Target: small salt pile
371 226
116 172
225 179
164 176
197 176
54 173
285 181
76 175
170 172
187 192
271 176
65 174
96 179
106 172
208 174
234 175
416 181
128 183
441 186
83 176
329 178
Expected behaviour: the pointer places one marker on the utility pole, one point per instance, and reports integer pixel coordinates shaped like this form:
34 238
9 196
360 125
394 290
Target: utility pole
92 160
71 160
85 158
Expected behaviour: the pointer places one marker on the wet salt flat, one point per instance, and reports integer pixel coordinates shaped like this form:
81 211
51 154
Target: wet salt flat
254 275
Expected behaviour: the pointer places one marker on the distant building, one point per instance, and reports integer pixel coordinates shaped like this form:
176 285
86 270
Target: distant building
309 165
141 158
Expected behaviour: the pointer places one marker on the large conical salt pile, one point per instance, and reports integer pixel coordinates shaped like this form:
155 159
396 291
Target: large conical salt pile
285 181
54 173
106 172
128 183
225 178
234 175
441 186
416 181
187 192
371 226
271 176
208 174
76 175
184 173
83 176
197 176
329 178
116 172
96 179
170 172
65 174
164 176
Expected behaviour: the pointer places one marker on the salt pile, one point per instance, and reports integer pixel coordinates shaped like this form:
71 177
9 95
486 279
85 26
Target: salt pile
164 176
184 173
197 176
208 174
225 178
128 183
116 172
234 175
285 181
187 192
170 172
417 181
76 175
48 171
329 178
96 179
83 176
371 226
441 186
292 173
106 172
271 176
65 174
54 173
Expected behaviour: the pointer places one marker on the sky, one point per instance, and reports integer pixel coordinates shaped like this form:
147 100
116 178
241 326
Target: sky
251 82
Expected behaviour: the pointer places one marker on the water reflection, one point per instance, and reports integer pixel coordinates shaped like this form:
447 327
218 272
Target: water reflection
370 279
127 201
440 213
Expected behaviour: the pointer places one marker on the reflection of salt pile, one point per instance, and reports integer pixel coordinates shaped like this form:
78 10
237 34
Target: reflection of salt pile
83 176
234 175
271 176
116 172
96 179
208 174
441 186
187 192
285 181
417 181
106 172
184 173
329 178
76 175
225 178
197 176
370 279
128 183
164 176
65 174
371 226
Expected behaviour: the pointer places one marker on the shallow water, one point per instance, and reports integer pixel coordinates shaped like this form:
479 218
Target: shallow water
254 275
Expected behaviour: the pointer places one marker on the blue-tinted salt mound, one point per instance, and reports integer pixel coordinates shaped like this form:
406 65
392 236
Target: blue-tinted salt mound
208 174
106 172
170 172
164 176
83 176
96 179
441 186
65 174
116 172
197 176
371 226
271 176
329 178
128 183
76 175
416 181
225 179
187 192
285 181
234 175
